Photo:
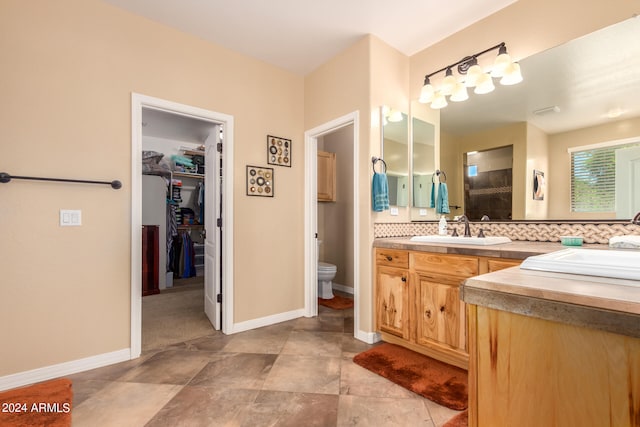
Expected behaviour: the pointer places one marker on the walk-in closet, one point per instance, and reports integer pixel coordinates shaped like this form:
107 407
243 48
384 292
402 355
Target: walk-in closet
173 199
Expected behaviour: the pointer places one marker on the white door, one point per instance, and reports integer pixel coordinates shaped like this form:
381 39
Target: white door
212 241
627 182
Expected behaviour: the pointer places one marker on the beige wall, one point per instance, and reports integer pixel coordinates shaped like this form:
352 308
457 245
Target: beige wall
559 184
537 159
339 87
68 70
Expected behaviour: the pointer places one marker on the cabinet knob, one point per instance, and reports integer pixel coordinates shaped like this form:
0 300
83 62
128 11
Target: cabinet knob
389 258
404 279
442 309
428 313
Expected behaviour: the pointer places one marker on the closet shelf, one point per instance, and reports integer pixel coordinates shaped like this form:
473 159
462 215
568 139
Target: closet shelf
193 152
189 175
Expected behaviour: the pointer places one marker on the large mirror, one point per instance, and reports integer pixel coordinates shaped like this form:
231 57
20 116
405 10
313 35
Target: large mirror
424 137
576 97
395 149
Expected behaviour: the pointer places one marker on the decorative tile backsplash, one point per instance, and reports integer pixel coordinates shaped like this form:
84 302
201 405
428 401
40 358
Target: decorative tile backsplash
548 231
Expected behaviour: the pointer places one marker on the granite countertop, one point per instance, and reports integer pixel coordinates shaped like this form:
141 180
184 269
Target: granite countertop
514 250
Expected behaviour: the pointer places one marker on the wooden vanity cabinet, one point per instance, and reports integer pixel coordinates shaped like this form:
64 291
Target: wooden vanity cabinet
417 300
392 292
439 312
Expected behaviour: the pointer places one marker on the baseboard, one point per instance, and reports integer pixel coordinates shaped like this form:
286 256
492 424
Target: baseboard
266 321
66 368
342 288
368 337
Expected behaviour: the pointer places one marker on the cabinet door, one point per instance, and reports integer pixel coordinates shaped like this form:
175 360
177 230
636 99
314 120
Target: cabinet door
440 314
392 301
326 176
501 264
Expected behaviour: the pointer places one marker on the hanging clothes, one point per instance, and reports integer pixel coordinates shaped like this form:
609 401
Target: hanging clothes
172 232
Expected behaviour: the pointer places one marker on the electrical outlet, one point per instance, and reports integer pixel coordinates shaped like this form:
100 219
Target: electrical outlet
70 218
393 210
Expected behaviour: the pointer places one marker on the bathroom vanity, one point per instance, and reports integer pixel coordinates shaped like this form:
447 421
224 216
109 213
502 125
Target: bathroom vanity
417 291
552 348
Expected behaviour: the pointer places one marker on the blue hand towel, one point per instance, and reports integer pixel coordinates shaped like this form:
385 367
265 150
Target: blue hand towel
380 192
442 202
433 195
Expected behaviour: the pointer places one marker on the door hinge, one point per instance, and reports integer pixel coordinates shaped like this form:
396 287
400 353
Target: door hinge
219 147
219 222
219 298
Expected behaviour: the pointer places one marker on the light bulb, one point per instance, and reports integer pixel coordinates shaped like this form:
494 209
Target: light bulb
459 93
484 84
395 116
512 75
448 83
439 101
472 75
426 94
502 61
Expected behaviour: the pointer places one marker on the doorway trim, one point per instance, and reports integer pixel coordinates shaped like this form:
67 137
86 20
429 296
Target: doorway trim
138 102
311 214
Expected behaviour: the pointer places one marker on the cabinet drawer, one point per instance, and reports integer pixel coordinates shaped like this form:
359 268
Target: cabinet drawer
392 258
453 265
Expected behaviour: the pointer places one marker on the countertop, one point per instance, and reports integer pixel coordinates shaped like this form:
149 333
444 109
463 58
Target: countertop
514 250
588 301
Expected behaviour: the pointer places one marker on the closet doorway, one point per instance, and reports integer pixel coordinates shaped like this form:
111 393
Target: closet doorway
181 156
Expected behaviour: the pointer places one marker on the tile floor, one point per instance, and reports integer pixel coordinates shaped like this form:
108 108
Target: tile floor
296 373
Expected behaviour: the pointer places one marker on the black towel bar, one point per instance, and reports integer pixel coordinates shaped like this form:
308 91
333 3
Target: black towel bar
375 160
437 173
5 178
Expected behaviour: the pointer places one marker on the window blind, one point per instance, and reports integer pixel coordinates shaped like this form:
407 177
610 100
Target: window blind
593 179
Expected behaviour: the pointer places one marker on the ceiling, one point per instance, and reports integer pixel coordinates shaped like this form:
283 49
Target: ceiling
300 35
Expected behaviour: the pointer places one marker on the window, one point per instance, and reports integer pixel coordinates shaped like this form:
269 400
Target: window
593 178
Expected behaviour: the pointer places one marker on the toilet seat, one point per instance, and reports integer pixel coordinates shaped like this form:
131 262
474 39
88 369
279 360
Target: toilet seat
324 266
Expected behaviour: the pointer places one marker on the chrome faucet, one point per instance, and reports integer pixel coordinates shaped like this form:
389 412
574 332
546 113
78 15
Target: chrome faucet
467 230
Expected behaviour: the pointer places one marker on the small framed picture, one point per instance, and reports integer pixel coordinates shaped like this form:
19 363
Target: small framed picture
538 185
278 151
259 181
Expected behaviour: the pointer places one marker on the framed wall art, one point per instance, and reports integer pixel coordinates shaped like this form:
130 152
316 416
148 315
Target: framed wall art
259 181
538 185
278 151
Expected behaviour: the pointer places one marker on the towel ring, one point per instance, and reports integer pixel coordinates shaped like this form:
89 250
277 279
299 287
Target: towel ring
375 160
437 173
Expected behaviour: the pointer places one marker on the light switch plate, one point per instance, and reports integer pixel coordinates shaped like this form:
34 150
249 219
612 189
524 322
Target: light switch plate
70 218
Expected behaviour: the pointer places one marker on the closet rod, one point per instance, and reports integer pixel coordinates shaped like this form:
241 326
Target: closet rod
5 177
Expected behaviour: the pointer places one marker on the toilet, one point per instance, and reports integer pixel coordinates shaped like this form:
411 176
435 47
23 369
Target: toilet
326 273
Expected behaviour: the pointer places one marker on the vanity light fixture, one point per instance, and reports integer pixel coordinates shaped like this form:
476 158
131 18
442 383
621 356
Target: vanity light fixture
470 75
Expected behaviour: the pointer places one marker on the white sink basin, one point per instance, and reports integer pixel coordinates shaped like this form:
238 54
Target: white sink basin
459 240
620 264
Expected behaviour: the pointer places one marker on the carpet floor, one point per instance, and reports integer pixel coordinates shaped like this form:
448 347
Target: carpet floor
430 378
